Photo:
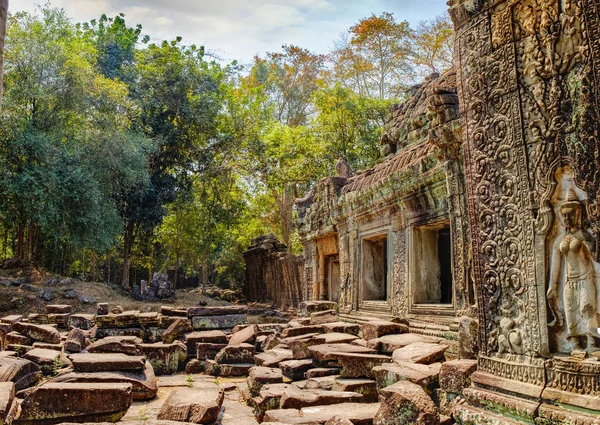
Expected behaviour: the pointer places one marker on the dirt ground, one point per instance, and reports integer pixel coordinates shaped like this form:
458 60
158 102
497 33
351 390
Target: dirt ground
19 296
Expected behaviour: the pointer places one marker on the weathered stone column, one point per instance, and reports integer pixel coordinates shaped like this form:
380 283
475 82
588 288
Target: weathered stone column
528 86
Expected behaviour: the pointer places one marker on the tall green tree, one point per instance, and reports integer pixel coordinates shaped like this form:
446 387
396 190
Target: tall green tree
433 45
3 16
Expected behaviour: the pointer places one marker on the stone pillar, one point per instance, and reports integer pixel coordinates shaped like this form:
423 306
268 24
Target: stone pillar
528 85
321 293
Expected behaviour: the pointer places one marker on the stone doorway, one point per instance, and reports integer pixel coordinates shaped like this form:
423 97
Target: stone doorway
374 268
431 265
332 278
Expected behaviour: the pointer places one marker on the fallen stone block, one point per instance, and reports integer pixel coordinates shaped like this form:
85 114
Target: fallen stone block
299 346
213 368
322 352
387 344
455 375
43 333
106 362
294 398
116 344
356 365
319 372
321 317
246 335
272 358
12 319
366 387
342 327
59 319
339 420
227 310
406 403
357 413
82 321
218 322
17 339
379 328
213 337
144 383
176 330
75 341
9 408
295 369
269 398
259 376
309 307
194 366
321 382
240 353
420 352
47 346
59 309
54 403
47 360
166 310
165 358
135 332
38 318
302 330
21 372
206 350
425 376
193 405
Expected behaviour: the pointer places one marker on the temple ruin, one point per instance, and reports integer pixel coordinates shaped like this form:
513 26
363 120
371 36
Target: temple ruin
484 211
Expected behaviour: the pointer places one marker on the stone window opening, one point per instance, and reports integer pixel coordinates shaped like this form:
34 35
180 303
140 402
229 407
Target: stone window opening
432 264
374 268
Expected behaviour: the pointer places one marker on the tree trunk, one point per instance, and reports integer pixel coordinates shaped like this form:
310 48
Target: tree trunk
286 204
93 261
3 13
20 241
127 245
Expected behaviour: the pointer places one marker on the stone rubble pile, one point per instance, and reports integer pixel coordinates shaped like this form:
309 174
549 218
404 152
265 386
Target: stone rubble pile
314 369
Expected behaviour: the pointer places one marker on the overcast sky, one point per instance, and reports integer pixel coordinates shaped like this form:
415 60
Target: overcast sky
239 29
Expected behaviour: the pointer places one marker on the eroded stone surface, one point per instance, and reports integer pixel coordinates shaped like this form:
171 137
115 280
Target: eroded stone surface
455 375
106 362
43 333
376 329
357 413
194 405
420 352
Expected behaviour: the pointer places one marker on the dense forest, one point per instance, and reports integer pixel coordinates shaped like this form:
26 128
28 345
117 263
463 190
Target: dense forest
120 157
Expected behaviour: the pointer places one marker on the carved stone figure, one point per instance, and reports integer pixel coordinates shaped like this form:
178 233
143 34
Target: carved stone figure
575 266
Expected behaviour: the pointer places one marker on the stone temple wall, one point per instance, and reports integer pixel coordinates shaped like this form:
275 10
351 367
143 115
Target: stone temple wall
272 275
528 85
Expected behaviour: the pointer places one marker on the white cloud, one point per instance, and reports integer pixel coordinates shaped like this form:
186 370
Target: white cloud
239 29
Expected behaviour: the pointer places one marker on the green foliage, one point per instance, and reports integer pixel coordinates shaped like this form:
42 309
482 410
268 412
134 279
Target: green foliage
121 154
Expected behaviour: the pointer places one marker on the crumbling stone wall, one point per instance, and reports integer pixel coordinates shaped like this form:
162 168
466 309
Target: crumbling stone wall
273 275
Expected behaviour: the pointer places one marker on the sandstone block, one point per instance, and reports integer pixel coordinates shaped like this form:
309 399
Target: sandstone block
241 353
218 322
106 362
342 327
302 330
43 333
295 369
45 359
165 358
213 337
193 405
116 344
321 317
207 350
194 366
376 329
294 398
59 309
318 372
213 368
426 376
9 408
21 372
53 403
357 413
246 335
82 321
217 311
17 339
322 352
365 387
455 375
176 330
259 376
356 365
75 341
420 352
407 404
388 343
308 307
272 358
144 383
